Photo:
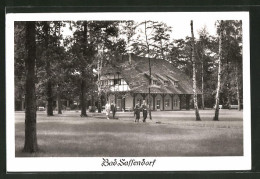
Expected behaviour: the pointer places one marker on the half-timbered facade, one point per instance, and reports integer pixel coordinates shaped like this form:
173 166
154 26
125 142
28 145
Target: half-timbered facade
126 84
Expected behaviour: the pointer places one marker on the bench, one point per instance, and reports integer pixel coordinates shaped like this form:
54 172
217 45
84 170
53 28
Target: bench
233 106
128 109
41 108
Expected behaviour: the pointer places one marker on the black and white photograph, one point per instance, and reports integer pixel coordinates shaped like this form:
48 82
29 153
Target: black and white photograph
128 91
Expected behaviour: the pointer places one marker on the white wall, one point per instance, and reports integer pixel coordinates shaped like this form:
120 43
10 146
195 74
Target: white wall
138 96
129 102
120 88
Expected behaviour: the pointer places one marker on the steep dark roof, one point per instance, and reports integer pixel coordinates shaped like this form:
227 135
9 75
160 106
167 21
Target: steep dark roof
137 75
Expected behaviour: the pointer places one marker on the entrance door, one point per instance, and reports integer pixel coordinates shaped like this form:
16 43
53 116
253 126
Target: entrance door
119 104
158 104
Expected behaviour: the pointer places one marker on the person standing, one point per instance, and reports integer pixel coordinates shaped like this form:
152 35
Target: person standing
144 109
107 108
137 113
113 109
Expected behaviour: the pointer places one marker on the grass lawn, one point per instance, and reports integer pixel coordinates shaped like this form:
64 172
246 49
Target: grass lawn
172 133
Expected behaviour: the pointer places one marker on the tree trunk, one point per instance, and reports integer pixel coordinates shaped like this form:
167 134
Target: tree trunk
49 94
228 85
99 88
202 85
99 104
59 100
48 72
216 117
99 82
150 79
92 99
83 73
59 88
163 57
202 78
30 144
237 87
194 76
83 95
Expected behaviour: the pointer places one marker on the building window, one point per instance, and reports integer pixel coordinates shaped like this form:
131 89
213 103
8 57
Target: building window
167 102
176 84
111 82
154 82
123 82
117 81
147 101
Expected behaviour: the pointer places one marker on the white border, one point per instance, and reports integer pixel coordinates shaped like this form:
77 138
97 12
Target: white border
94 163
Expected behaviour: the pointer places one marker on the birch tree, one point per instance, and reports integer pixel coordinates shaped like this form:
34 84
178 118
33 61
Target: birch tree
216 117
129 31
194 76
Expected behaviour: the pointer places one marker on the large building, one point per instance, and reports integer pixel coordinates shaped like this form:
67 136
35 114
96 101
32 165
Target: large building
127 82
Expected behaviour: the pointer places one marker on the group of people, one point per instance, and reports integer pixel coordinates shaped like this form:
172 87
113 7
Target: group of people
138 109
109 108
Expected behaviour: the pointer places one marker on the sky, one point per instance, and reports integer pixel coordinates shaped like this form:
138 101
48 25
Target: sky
180 29
180 21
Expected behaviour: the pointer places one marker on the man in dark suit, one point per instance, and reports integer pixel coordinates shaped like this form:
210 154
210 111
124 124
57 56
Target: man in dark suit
144 109
113 109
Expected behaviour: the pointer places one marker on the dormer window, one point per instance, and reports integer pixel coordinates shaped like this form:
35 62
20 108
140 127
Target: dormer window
154 82
176 83
173 80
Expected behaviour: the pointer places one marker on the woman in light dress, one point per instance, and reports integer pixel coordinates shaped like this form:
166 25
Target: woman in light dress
107 108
